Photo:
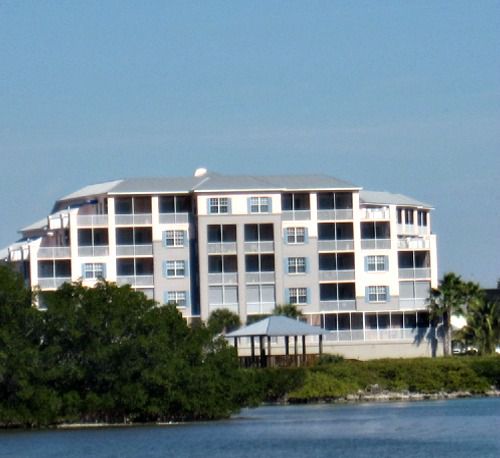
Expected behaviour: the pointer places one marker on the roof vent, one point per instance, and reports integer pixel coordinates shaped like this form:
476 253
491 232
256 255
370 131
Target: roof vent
202 171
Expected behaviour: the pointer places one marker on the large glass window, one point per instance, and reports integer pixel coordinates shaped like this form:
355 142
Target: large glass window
259 263
335 231
375 230
217 233
259 233
222 264
175 204
334 201
295 201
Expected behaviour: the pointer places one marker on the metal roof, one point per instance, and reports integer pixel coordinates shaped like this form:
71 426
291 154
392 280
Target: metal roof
157 185
41 224
387 198
92 190
275 326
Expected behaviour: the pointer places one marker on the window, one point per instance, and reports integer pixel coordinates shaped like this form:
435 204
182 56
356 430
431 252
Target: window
409 215
377 263
259 233
335 231
295 201
177 297
93 270
297 295
175 268
375 231
222 264
295 235
296 265
336 261
259 263
260 204
218 205
334 200
175 204
378 293
422 218
337 291
217 233
400 216
174 238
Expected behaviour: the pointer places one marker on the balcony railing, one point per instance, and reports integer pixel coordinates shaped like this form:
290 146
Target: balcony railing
340 305
336 275
260 308
413 303
231 306
335 245
375 213
333 215
259 247
134 250
135 280
259 277
54 252
172 218
221 247
414 243
371 335
140 219
52 282
92 220
376 244
95 250
296 215
223 278
415 273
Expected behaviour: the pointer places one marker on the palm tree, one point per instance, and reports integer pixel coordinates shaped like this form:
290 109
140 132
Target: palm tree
483 324
289 310
450 299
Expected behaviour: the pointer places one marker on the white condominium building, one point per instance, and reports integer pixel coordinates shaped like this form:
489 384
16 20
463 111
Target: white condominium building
357 263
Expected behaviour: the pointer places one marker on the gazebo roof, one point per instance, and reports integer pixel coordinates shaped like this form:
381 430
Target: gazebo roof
275 326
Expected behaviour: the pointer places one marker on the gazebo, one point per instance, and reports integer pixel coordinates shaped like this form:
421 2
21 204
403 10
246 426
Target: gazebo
277 326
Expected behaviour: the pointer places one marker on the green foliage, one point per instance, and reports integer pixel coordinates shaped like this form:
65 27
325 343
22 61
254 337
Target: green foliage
109 354
289 310
483 325
222 321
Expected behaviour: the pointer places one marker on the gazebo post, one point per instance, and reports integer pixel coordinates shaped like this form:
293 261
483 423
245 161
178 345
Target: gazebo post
252 346
287 345
296 351
268 350
236 344
304 349
320 344
262 352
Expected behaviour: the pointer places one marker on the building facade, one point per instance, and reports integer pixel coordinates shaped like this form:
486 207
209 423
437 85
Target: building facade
357 263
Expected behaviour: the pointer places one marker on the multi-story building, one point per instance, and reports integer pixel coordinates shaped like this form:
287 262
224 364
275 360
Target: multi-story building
357 263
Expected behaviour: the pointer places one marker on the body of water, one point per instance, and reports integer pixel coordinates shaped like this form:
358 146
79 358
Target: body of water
458 428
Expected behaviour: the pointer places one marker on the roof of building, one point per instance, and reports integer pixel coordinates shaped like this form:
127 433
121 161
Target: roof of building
275 326
210 182
38 225
387 198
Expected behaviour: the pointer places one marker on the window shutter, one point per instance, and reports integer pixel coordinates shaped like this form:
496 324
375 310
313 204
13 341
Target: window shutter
270 204
287 295
165 269
249 205
229 210
165 297
367 292
388 294
306 235
164 238
308 295
188 299
208 206
307 265
386 262
285 265
285 236
366 263
104 270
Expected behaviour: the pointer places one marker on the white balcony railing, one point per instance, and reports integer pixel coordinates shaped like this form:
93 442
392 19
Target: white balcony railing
334 215
413 303
221 247
54 252
296 215
259 277
416 273
371 214
376 244
336 275
414 243
135 280
95 250
335 245
139 219
260 308
223 278
259 247
340 305
92 220
134 250
52 282
173 218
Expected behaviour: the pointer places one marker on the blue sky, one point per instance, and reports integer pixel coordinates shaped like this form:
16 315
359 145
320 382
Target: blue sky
390 95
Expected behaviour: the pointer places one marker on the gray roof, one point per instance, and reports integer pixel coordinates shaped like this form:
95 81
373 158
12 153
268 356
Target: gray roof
211 182
275 326
387 198
38 225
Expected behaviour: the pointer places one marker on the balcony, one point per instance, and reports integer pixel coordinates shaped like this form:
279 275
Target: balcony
174 218
415 273
260 308
413 303
135 280
347 305
370 214
140 219
95 250
335 245
336 275
259 277
259 247
376 244
134 250
296 215
52 282
221 247
414 243
223 278
92 220
334 215
54 252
